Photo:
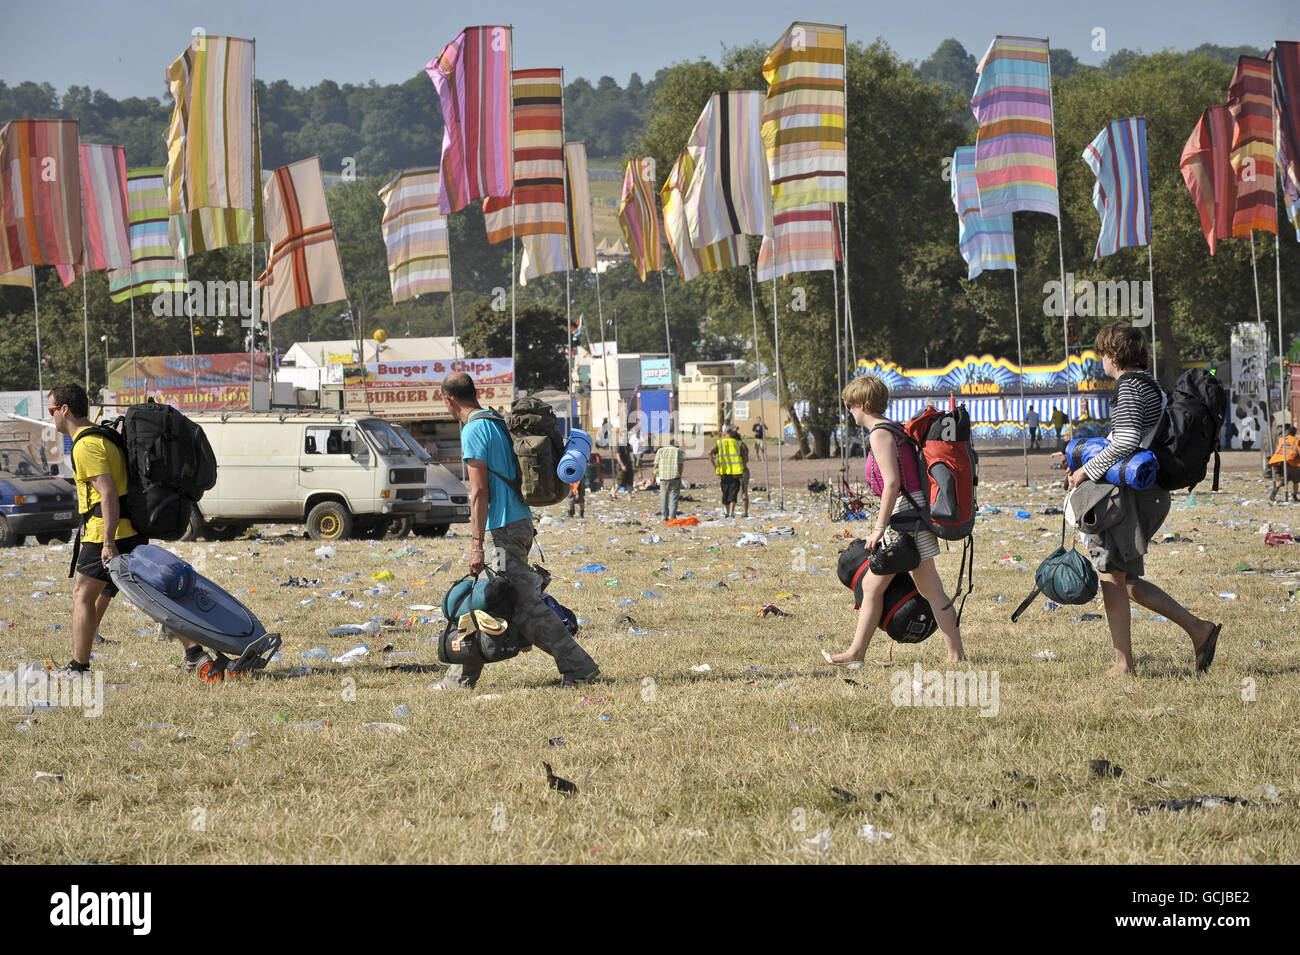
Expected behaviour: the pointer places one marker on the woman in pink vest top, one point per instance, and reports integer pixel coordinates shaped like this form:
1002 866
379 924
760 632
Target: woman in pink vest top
893 477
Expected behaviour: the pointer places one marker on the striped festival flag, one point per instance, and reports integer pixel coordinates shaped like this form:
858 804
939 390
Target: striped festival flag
544 254
730 192
23 278
803 117
302 266
1122 193
40 193
1015 151
155 267
1285 57
213 159
415 232
538 201
1207 170
692 262
104 207
1250 102
806 239
639 218
472 77
986 242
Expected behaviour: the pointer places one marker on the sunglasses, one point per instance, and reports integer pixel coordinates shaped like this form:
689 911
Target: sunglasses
56 408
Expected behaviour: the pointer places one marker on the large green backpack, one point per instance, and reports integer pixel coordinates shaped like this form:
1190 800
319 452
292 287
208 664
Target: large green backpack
535 437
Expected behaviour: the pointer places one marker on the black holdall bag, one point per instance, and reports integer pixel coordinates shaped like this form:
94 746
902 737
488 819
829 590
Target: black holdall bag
899 557
494 594
905 615
1065 576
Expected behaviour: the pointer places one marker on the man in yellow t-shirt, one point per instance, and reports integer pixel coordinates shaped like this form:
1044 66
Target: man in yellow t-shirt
101 476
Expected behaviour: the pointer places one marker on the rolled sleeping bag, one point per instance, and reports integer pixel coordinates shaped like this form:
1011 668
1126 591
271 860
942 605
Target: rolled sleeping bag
162 570
573 462
1137 471
1082 450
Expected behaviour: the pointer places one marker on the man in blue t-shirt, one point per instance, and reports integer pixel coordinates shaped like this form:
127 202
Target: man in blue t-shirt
496 509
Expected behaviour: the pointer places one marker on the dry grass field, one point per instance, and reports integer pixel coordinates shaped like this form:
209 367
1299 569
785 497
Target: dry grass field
751 760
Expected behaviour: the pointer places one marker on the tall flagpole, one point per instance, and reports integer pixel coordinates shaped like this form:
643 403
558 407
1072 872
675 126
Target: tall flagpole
131 298
780 434
36 309
668 336
568 241
604 349
1151 306
85 317
1277 258
1266 440
514 278
849 341
1067 295
762 387
1020 376
839 366
255 182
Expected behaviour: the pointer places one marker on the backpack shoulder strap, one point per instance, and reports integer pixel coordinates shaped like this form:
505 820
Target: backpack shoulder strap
516 484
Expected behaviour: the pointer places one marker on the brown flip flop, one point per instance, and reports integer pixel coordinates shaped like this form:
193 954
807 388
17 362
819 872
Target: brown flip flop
1205 655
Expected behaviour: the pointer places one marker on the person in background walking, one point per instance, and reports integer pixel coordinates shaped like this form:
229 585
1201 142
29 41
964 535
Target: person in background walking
636 445
744 475
668 472
760 430
1059 421
728 460
1031 425
623 479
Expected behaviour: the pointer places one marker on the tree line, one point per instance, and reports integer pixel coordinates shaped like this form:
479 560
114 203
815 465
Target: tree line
909 295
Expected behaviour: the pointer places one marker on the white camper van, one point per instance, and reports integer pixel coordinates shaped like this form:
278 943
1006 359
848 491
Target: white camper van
448 499
343 475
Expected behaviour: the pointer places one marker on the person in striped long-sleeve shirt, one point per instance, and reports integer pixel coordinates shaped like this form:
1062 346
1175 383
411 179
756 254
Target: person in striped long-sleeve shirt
1118 552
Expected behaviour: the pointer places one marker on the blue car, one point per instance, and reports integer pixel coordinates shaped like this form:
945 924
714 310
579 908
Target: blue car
33 502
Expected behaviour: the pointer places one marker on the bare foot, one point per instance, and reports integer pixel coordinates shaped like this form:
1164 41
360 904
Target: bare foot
845 657
1120 669
1204 629
956 657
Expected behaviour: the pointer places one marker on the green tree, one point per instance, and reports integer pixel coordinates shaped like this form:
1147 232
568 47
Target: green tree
541 358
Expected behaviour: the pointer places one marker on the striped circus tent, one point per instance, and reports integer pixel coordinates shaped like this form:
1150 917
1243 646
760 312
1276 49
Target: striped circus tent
415 235
997 410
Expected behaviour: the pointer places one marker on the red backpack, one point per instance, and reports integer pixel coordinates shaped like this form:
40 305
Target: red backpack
943 440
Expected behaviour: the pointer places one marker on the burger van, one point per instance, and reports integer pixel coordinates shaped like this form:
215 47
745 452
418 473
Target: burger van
342 475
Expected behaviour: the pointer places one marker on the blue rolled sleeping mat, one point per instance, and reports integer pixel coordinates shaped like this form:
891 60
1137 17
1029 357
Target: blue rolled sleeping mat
1137 471
573 462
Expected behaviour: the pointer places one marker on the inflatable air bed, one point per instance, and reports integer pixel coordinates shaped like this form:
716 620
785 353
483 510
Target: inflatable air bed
167 589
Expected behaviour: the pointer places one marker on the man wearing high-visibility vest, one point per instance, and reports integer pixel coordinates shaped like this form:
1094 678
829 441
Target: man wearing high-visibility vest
729 457
1286 460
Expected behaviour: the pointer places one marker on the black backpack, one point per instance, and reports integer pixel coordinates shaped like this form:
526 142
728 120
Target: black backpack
169 465
1189 430
537 442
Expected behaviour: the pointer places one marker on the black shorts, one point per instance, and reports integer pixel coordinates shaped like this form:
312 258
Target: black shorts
730 488
90 560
